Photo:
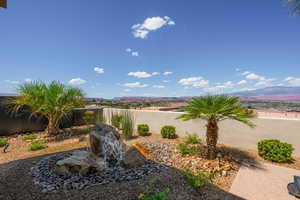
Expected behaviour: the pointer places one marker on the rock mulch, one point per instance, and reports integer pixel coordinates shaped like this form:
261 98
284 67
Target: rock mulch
44 175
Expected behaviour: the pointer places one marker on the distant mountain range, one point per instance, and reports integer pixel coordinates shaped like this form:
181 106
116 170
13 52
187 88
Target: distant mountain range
7 95
271 93
268 93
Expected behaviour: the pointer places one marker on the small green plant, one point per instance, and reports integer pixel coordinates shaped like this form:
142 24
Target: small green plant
168 132
275 150
89 117
156 196
143 129
3 142
85 130
30 137
185 149
37 145
101 117
198 180
116 119
193 139
127 124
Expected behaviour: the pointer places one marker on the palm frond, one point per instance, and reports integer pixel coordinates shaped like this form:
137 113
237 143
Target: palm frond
218 108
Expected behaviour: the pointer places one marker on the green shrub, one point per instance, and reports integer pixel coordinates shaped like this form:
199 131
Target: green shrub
37 145
185 149
127 124
85 130
168 132
275 150
198 180
156 196
116 119
89 117
30 137
101 117
193 139
3 142
143 129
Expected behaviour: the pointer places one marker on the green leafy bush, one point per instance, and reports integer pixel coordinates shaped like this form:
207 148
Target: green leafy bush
3 142
143 129
193 139
30 137
156 196
275 150
37 145
85 130
116 119
168 132
89 117
127 124
185 149
198 180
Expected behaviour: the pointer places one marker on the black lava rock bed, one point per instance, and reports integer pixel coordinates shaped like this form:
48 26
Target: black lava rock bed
44 175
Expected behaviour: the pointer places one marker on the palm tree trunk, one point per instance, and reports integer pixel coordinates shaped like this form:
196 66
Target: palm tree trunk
212 138
52 127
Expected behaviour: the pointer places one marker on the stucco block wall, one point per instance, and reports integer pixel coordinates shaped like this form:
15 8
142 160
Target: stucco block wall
232 133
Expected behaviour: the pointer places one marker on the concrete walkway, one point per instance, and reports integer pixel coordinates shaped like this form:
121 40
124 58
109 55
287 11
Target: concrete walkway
268 182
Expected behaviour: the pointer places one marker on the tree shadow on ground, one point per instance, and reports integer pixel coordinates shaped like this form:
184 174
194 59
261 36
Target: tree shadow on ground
240 157
16 184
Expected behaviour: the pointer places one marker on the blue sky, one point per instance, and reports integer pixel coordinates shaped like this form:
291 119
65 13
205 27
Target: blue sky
124 48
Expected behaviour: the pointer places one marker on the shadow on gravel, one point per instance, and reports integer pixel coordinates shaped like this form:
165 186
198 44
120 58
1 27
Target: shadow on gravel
16 184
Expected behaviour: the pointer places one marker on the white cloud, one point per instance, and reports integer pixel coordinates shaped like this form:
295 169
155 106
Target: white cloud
219 87
135 85
99 70
166 81
140 74
135 53
77 81
150 24
12 82
128 50
197 82
127 90
293 81
158 86
245 73
225 85
155 73
242 82
28 80
252 76
168 73
246 89
265 81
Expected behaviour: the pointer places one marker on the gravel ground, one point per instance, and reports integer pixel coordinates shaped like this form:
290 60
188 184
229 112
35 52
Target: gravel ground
16 184
16 179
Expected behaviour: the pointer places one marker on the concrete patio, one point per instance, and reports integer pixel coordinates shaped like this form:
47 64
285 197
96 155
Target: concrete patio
266 182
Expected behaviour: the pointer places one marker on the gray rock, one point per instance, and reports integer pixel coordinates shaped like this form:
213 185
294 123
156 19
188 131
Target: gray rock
133 158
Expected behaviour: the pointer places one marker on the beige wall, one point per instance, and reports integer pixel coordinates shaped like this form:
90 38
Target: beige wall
232 133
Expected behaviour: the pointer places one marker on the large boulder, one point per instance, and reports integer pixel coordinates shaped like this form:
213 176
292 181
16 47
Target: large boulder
107 150
133 158
80 162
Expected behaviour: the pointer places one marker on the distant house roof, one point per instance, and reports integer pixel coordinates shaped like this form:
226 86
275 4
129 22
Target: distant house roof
3 3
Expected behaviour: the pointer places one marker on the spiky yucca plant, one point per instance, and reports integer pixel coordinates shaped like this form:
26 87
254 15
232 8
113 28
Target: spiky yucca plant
214 109
54 101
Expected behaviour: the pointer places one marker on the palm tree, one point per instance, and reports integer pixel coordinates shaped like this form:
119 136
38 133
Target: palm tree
54 101
214 109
